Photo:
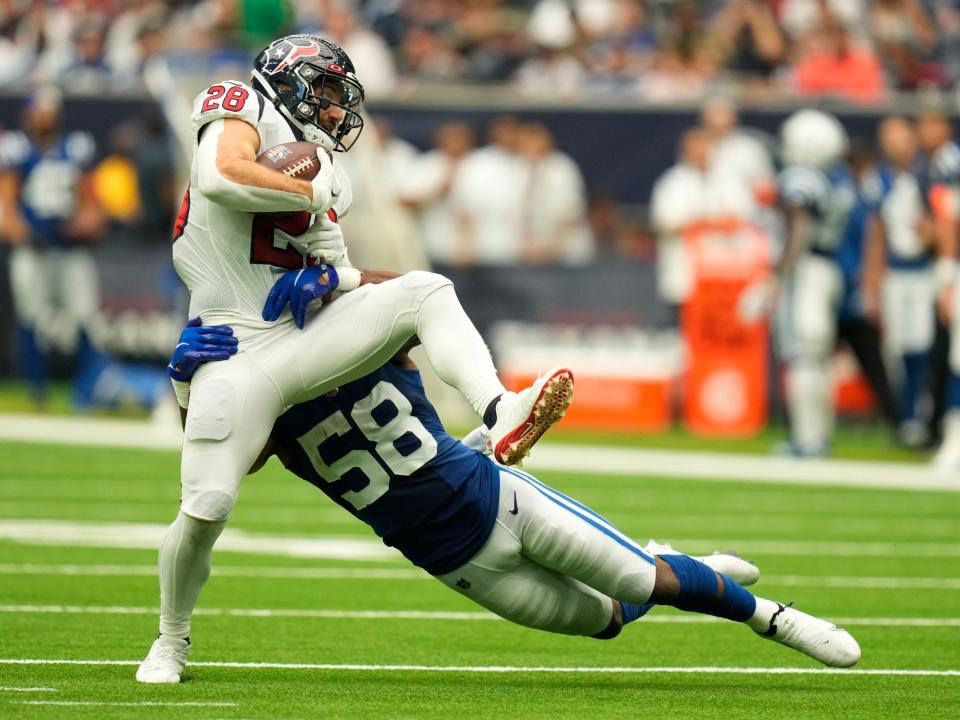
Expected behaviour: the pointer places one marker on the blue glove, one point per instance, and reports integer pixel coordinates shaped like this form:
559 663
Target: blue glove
198 345
299 287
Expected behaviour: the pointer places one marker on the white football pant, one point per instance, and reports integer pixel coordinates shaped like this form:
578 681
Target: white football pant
909 298
812 334
552 564
60 280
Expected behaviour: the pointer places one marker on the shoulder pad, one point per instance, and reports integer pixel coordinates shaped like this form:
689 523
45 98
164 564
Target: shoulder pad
945 164
803 187
226 99
79 147
14 149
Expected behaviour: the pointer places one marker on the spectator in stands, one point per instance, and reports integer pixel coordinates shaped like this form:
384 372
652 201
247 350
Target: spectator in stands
904 37
752 42
487 195
426 54
368 51
491 37
553 223
800 18
692 191
623 50
427 186
551 72
832 64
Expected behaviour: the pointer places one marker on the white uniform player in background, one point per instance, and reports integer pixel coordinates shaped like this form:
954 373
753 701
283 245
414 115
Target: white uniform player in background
818 194
246 232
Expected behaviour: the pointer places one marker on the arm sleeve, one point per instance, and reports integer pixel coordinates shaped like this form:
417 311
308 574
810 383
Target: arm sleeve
245 198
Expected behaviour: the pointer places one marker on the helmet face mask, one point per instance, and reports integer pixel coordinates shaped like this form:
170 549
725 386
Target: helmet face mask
312 83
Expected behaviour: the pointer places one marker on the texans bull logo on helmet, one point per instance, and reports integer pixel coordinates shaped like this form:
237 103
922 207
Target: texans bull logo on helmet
313 83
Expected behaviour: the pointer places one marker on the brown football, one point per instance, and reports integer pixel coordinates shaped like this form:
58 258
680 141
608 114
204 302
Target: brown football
296 159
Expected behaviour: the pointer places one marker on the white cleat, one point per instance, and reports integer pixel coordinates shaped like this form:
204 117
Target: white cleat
165 661
523 418
743 572
812 636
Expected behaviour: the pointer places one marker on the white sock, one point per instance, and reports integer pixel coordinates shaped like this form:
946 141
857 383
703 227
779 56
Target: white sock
185 554
456 350
760 620
808 401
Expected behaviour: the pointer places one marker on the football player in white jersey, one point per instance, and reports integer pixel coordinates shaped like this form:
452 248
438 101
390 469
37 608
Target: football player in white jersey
240 228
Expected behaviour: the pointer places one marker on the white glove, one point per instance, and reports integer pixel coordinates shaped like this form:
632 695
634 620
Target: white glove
757 300
323 238
323 185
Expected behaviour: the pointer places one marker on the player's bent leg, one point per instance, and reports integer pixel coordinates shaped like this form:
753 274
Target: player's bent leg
500 579
567 537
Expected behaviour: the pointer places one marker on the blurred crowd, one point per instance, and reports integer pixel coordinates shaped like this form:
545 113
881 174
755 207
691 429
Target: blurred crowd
655 50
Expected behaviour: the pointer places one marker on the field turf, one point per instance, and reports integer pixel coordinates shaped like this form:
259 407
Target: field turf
332 631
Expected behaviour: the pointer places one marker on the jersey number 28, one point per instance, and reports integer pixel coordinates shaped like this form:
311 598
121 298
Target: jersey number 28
371 463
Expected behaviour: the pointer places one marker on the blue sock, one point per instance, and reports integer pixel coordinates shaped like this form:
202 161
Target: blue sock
634 612
698 590
914 367
953 392
33 363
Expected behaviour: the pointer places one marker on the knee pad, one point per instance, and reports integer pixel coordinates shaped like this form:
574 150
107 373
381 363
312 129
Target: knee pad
424 281
209 507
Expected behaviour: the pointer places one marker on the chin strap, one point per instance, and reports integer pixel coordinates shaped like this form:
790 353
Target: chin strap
311 132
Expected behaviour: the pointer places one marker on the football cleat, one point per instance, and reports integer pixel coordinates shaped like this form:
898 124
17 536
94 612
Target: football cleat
523 418
165 661
729 563
812 636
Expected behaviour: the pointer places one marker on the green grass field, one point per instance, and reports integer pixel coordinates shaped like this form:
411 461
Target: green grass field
842 553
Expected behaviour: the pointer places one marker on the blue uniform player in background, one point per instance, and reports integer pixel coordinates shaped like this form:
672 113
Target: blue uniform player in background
496 535
821 271
50 217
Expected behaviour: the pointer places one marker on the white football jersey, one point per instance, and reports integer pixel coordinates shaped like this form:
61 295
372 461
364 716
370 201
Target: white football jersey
229 259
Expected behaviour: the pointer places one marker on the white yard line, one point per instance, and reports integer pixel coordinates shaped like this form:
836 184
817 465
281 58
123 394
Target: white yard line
421 615
346 573
141 703
238 571
901 672
142 535
548 456
69 533
28 689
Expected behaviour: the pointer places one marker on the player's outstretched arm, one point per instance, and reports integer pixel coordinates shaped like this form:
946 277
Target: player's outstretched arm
198 345
228 174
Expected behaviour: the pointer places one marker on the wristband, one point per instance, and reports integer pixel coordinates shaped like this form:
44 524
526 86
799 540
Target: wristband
181 388
349 278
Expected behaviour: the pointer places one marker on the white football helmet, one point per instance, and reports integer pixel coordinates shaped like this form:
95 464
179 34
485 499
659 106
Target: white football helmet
813 138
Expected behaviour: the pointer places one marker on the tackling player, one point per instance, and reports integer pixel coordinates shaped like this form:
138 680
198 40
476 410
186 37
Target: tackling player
496 535
240 227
